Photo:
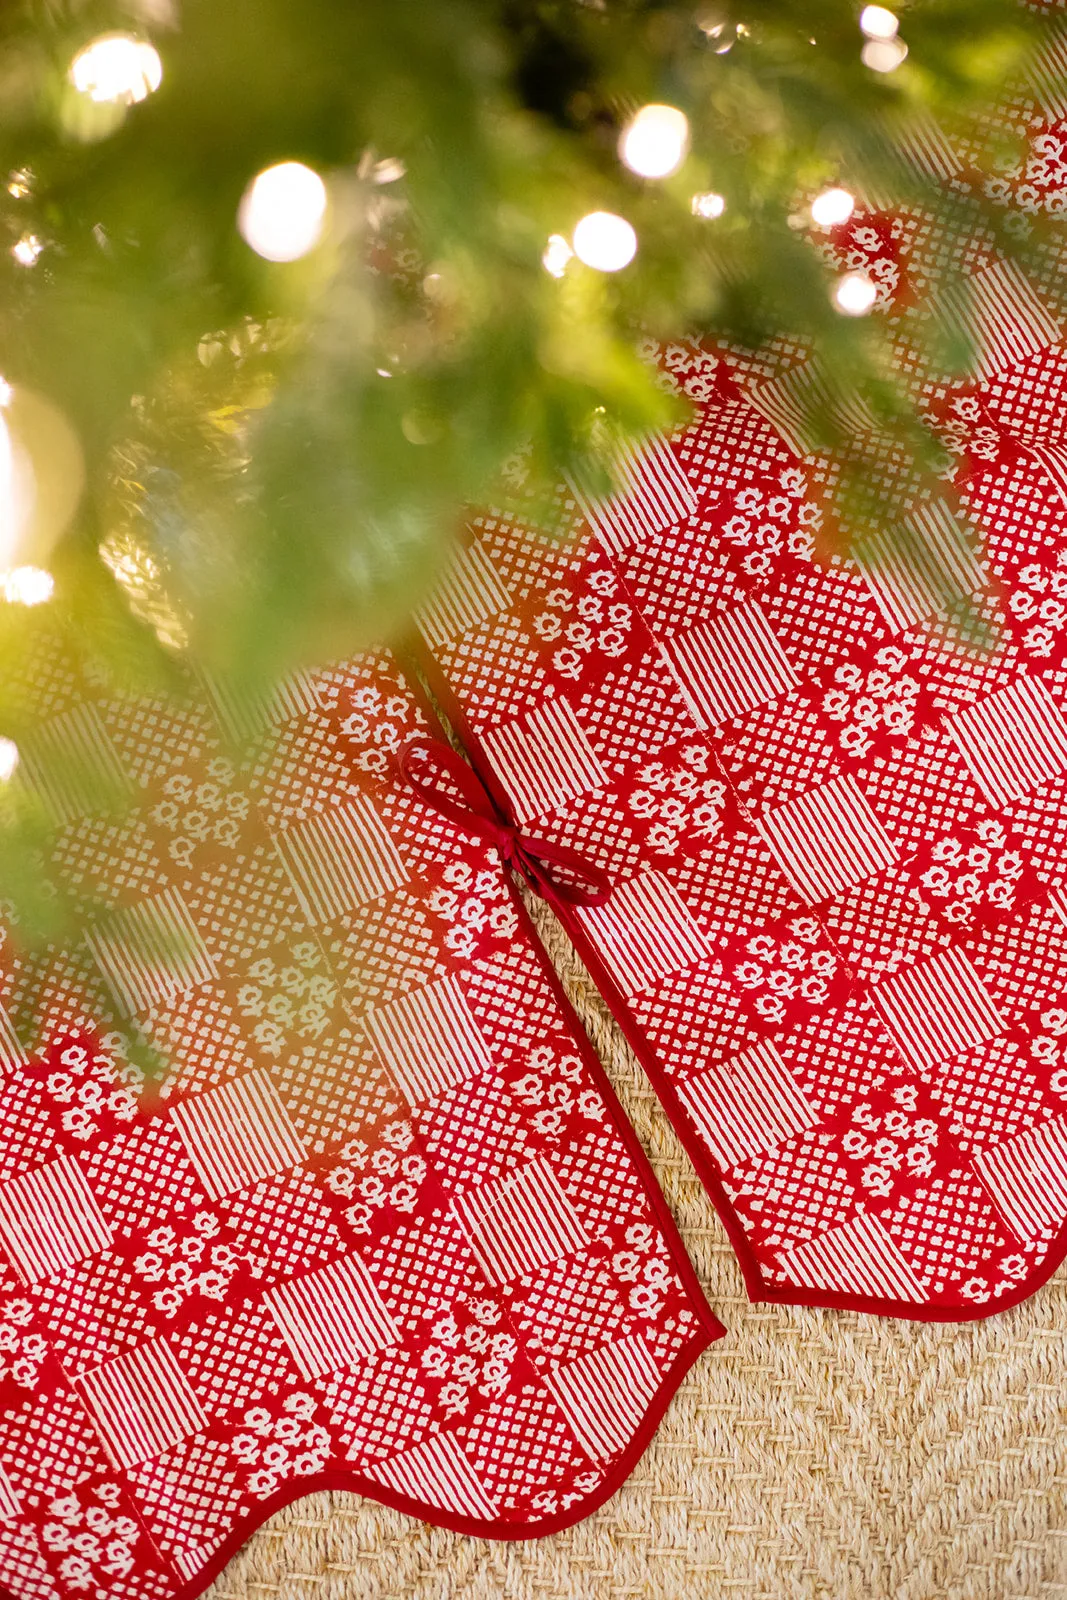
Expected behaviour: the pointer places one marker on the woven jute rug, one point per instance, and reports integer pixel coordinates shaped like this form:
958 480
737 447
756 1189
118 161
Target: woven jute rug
809 1454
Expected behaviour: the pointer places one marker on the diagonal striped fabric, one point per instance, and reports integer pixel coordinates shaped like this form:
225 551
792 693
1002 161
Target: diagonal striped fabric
72 765
520 1222
729 666
795 402
645 933
10 1504
1052 459
544 759
1004 318
859 1257
428 1040
604 1395
141 1404
237 1134
1027 1177
938 1009
437 1473
49 1219
919 566
151 952
331 1317
747 1105
12 1052
470 592
340 860
828 839
921 141
243 714
654 494
1013 741
1046 73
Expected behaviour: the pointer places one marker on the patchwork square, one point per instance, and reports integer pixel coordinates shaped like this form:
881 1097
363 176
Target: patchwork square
860 1256
605 1394
469 592
544 759
747 1105
237 1134
428 1040
919 566
50 1219
520 1222
149 953
1013 742
340 860
1027 1177
645 933
938 1009
653 494
332 1317
436 1473
729 665
827 840
73 766
141 1404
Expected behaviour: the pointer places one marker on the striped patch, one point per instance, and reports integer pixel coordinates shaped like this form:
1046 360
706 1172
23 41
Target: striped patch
1046 74
12 1052
925 146
520 1222
544 759
645 933
10 1504
938 1009
828 839
747 1105
72 765
605 1396
243 713
340 861
141 1404
437 1474
729 666
1027 1178
470 592
237 1134
919 566
1002 317
654 494
332 1317
859 1257
803 409
1013 742
428 1041
151 952
49 1219
1052 458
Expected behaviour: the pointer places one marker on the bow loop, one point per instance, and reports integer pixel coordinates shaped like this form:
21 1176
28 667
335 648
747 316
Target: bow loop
441 777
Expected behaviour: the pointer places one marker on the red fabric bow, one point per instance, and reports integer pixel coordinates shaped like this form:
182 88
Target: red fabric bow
535 858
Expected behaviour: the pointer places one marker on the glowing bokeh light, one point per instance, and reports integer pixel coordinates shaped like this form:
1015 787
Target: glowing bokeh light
557 253
27 586
282 211
27 249
854 294
883 55
877 22
117 68
832 207
708 205
605 241
9 759
654 142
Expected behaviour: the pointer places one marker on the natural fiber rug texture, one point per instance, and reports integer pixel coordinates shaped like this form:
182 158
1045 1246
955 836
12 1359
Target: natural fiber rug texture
811 1453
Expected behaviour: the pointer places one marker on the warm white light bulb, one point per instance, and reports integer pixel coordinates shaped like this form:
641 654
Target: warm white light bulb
832 207
282 211
883 55
854 294
877 22
27 249
654 142
117 67
708 205
605 241
27 586
557 253
9 759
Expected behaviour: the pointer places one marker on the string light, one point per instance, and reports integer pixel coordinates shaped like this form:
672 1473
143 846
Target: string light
832 207
604 241
18 185
654 142
282 211
117 68
27 249
27 586
9 759
876 22
883 55
557 253
854 294
708 205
